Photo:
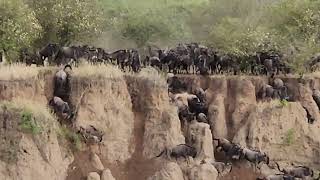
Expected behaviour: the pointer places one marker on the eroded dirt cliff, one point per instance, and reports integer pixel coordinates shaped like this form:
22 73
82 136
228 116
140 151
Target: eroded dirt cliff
135 113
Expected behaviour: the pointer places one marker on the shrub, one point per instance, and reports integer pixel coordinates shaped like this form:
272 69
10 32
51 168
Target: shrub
289 137
73 139
28 123
283 103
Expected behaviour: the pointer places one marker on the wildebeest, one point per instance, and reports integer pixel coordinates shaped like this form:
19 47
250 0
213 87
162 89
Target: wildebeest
255 157
202 118
91 134
195 106
30 58
49 51
122 57
231 150
61 107
135 60
297 171
316 97
181 150
309 116
66 55
266 92
61 82
200 93
277 177
176 85
183 110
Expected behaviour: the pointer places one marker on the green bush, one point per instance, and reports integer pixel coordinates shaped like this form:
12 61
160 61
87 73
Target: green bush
28 123
19 27
289 137
283 103
74 139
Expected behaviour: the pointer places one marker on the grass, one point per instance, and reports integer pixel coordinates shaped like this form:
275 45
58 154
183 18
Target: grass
28 123
289 137
18 72
283 103
25 117
34 117
73 138
107 71
152 75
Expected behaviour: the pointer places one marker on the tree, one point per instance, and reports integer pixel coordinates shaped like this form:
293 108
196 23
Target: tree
19 27
68 21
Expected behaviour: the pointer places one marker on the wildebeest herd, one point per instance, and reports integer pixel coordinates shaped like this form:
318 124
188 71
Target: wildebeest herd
184 58
192 105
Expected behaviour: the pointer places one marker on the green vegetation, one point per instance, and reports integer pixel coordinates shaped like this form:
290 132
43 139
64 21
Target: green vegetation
239 27
19 27
289 137
283 103
28 123
73 138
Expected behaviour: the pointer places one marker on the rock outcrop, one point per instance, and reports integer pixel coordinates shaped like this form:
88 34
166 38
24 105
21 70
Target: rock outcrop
93 176
170 171
203 172
106 104
283 133
200 137
161 123
96 162
30 151
139 121
106 175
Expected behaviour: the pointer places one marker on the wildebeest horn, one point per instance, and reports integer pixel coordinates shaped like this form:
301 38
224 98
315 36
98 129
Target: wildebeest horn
165 150
230 169
279 167
67 66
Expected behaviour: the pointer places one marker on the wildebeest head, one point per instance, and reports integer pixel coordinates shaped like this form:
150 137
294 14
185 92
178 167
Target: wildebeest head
193 152
266 158
50 49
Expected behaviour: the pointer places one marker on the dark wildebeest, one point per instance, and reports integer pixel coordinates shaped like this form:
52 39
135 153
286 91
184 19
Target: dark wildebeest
91 134
67 55
176 86
135 60
316 97
201 65
195 106
154 62
122 58
297 171
30 58
202 118
49 51
231 150
277 177
255 157
309 116
266 92
62 83
181 150
61 107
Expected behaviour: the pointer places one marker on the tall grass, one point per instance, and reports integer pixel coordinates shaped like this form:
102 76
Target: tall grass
107 71
33 116
18 72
